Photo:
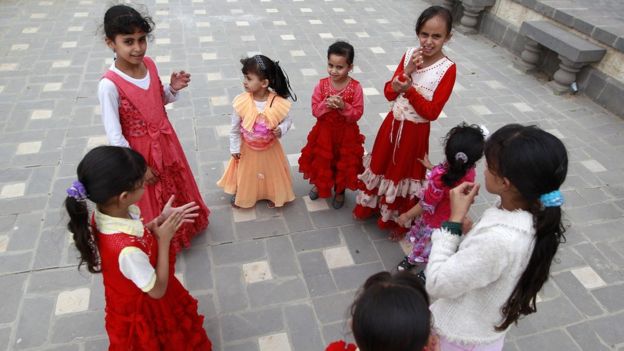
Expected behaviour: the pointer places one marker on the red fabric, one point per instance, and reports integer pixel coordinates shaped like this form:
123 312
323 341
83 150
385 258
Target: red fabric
341 346
332 157
435 199
134 320
145 125
413 145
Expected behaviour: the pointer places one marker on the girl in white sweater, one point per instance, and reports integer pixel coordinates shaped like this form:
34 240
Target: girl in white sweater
485 280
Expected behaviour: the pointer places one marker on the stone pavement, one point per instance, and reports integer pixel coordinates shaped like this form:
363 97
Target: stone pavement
273 279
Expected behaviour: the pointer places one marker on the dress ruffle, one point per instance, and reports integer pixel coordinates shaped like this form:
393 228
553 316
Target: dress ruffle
332 157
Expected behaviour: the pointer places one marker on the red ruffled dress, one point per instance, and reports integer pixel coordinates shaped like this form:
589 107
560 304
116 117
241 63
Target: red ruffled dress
134 320
332 157
147 129
393 175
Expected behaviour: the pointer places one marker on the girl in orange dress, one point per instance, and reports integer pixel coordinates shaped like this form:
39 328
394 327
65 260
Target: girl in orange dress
258 169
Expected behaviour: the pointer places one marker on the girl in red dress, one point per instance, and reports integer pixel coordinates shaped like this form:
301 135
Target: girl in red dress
332 158
133 99
419 88
390 313
146 306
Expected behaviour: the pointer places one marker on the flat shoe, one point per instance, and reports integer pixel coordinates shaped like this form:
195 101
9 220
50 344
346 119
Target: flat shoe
313 194
337 204
233 201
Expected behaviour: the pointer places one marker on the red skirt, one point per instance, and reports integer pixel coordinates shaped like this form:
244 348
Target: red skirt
393 175
147 324
332 157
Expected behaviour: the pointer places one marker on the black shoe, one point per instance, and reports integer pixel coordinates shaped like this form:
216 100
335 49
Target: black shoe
313 194
405 265
337 204
422 277
233 201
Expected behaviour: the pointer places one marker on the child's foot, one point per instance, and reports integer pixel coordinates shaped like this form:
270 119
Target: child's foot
405 265
422 277
233 201
313 194
339 200
270 204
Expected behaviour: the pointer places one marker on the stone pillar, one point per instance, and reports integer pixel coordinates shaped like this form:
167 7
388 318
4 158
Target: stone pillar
530 56
470 18
447 4
565 75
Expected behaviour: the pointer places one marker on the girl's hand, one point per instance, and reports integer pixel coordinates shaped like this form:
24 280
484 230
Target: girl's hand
403 219
401 85
277 132
415 62
179 80
426 163
462 196
189 211
236 156
339 102
151 177
331 102
165 231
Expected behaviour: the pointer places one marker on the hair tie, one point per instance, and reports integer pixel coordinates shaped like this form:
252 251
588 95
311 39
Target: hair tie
484 131
460 156
259 62
77 191
552 199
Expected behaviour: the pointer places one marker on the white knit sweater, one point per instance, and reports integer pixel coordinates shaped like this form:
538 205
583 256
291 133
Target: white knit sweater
471 277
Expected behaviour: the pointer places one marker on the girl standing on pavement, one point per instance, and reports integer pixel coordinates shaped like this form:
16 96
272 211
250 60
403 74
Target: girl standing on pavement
146 306
132 100
484 281
419 89
332 157
258 169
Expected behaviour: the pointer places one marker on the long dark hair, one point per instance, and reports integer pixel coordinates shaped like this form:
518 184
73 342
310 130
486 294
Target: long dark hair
536 163
432 12
391 313
123 19
462 140
265 68
105 172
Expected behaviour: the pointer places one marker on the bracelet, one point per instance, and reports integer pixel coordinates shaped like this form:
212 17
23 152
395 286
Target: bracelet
454 228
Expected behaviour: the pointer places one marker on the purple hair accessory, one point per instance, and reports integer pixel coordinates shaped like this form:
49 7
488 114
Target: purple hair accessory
77 191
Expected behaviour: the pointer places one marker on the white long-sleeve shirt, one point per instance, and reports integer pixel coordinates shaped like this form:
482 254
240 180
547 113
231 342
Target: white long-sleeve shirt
109 103
235 134
470 278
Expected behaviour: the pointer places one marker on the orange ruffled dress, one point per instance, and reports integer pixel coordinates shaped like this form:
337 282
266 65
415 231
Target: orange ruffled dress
332 157
262 172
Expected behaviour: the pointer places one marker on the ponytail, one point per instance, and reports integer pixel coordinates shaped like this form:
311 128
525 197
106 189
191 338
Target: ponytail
281 84
536 163
83 238
549 233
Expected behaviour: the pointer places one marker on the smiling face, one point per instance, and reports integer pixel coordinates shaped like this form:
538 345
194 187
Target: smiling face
432 36
338 68
130 48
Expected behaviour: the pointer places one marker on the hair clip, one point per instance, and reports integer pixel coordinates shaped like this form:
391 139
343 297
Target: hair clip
77 191
552 199
484 131
460 156
260 63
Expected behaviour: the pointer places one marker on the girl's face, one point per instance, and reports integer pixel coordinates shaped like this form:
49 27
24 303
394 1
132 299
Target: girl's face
494 183
135 195
130 48
433 36
338 68
253 84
